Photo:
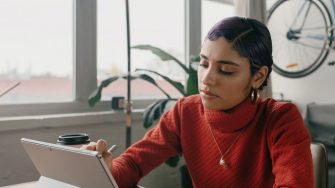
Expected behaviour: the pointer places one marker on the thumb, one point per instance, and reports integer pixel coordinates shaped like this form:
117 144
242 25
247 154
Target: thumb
101 146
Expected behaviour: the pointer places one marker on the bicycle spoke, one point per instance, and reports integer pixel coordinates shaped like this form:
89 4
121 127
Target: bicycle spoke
314 28
301 36
304 45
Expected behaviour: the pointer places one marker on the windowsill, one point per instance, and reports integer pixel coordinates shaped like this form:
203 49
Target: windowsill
69 119
44 109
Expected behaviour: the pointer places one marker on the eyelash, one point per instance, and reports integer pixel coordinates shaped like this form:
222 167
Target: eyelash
220 71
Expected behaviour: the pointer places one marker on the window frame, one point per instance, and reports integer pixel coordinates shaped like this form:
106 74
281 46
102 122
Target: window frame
85 64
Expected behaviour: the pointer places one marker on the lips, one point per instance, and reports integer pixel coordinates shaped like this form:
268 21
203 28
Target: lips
208 93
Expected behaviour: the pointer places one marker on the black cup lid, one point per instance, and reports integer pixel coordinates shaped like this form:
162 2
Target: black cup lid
73 139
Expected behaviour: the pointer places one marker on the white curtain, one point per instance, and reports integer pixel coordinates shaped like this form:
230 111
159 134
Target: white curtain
254 9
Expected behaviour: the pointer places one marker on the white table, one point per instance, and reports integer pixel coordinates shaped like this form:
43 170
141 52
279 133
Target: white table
23 185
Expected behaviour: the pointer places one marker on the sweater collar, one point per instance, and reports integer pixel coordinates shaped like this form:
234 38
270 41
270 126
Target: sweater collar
233 120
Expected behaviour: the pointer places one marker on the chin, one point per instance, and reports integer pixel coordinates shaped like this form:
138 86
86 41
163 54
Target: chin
214 105
211 106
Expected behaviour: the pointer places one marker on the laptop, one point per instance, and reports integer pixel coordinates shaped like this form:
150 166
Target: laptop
68 167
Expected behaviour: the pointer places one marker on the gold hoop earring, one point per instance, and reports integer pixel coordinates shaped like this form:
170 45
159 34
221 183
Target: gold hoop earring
254 95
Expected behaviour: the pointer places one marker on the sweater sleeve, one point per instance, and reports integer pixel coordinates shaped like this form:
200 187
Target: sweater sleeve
157 145
289 145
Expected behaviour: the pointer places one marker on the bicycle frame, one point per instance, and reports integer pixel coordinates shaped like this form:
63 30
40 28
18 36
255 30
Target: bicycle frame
296 33
332 2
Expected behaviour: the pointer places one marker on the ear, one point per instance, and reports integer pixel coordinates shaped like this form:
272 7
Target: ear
259 77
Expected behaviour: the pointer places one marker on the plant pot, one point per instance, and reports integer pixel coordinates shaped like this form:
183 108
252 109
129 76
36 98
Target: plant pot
186 181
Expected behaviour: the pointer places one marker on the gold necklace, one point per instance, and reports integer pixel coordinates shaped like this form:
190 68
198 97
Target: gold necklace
222 162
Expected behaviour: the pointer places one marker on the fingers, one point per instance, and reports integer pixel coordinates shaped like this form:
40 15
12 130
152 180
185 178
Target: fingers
101 146
91 146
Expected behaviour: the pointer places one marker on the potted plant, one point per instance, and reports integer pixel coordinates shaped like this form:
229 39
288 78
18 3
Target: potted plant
154 111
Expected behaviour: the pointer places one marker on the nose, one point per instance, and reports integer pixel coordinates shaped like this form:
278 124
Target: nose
208 76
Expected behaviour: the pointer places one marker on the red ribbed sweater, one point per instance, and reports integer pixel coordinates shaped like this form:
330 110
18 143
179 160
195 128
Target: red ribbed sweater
273 149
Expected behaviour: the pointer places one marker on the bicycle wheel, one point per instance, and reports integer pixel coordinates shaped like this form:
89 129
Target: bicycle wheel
301 36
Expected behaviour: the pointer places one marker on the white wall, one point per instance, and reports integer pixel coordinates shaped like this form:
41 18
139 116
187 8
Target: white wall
317 87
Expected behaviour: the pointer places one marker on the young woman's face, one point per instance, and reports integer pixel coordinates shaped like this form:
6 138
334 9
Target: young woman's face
223 75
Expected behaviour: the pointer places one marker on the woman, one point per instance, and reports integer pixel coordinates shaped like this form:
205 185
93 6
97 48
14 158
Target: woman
228 135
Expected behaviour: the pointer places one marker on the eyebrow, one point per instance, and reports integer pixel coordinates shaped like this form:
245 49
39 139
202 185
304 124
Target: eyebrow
221 61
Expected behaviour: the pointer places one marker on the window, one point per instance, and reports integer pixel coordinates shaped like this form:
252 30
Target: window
36 50
214 11
40 39
161 25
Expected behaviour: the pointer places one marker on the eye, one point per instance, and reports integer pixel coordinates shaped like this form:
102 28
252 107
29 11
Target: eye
226 73
203 63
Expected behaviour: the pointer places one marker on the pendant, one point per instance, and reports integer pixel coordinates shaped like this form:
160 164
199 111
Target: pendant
222 162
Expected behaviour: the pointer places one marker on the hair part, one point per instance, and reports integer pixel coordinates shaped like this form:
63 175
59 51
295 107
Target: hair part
250 38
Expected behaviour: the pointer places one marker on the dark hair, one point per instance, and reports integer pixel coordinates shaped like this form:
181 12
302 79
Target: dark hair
250 38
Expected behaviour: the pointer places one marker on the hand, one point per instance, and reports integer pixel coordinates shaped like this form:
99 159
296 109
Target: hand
100 146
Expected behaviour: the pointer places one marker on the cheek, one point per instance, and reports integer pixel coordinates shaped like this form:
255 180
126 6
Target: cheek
236 86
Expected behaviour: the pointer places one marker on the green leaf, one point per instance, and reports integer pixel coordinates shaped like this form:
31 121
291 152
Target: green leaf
147 121
158 110
175 84
195 58
173 161
164 56
152 81
96 94
192 80
192 83
154 112
192 87
132 77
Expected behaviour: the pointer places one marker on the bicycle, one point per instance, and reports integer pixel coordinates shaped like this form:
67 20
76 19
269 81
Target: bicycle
302 34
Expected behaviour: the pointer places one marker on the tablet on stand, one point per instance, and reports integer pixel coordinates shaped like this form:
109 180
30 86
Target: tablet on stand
68 167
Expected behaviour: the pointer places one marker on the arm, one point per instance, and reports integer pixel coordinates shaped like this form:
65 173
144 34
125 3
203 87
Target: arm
157 146
289 145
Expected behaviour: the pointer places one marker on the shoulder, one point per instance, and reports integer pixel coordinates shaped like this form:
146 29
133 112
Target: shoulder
191 100
187 105
281 116
190 103
274 108
284 122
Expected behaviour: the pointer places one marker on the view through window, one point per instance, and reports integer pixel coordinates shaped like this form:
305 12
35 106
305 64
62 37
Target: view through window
36 50
212 12
37 45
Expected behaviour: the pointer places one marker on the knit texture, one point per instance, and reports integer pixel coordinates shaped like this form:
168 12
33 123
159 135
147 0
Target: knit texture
273 149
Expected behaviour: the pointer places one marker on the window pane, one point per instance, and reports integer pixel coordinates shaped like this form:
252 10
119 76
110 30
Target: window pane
156 26
36 50
212 12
